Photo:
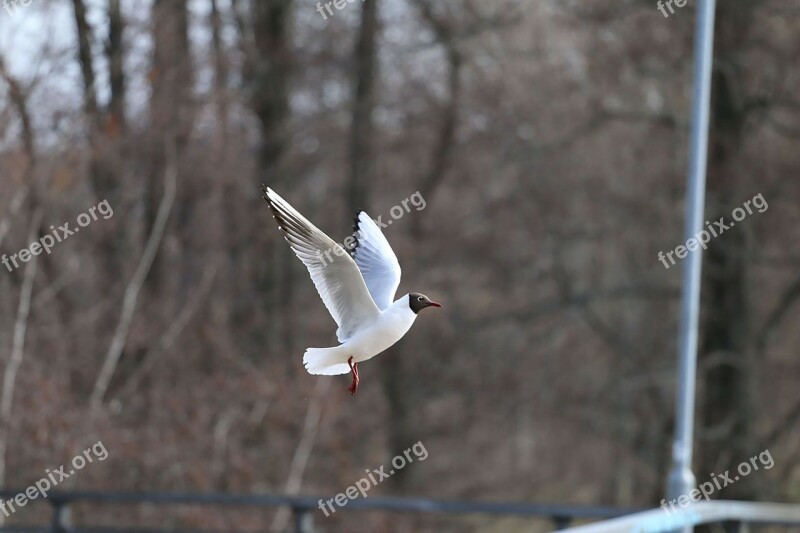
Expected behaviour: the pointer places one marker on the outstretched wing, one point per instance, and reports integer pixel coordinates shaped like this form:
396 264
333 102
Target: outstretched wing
376 261
333 271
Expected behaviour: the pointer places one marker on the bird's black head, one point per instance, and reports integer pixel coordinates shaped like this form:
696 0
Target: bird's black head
417 302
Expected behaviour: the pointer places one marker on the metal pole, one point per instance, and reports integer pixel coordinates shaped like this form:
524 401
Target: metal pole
303 521
60 515
681 479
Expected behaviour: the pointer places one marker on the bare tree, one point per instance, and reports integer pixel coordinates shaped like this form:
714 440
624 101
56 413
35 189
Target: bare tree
362 130
120 337
16 356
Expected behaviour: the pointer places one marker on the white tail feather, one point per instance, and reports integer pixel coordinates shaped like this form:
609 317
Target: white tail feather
326 361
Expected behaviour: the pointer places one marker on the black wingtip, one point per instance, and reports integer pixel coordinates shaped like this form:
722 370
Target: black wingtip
356 232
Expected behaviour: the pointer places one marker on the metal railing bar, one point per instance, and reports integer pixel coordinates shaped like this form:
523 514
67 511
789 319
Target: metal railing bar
309 503
658 521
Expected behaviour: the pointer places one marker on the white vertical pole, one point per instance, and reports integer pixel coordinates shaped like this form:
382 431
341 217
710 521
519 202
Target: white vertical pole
681 479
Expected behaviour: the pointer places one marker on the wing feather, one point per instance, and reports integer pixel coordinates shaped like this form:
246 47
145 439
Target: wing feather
376 261
334 273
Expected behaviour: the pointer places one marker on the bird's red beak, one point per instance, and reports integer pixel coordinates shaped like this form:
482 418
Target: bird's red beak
434 304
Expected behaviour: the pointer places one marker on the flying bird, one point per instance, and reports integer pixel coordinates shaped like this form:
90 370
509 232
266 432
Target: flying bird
357 290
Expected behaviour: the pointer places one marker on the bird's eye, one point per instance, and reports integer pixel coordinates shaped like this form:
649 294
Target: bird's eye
420 298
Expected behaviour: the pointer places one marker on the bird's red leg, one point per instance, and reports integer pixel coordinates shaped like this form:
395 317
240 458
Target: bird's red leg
354 369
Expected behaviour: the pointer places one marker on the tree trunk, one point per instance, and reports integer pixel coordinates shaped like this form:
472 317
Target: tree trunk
361 149
115 53
170 112
268 73
726 365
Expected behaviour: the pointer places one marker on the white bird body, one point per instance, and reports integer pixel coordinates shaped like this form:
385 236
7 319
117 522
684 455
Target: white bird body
366 343
357 291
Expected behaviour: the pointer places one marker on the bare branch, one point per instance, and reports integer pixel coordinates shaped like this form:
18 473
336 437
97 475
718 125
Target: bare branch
789 298
247 45
17 353
778 431
14 207
85 58
19 100
303 451
443 148
579 301
134 287
173 332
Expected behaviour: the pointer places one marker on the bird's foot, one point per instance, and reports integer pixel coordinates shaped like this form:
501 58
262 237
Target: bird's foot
353 388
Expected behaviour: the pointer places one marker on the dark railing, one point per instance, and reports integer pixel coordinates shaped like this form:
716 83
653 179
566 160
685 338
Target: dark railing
732 515
302 507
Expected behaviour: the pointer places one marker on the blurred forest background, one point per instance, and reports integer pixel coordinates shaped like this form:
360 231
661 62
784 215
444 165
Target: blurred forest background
548 139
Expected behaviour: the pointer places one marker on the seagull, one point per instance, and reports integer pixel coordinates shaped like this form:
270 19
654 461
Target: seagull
357 291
